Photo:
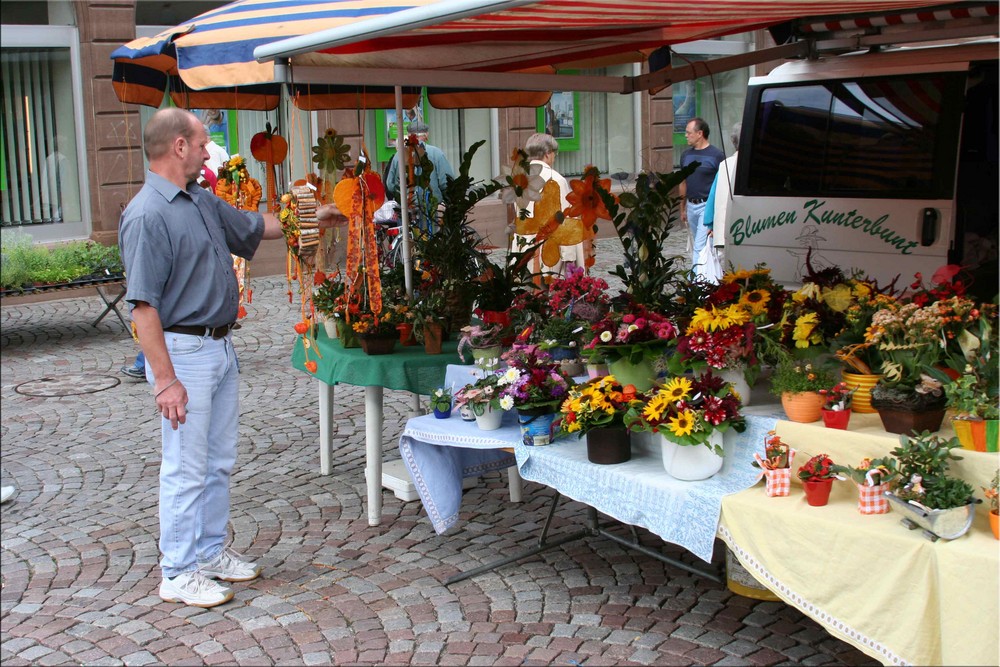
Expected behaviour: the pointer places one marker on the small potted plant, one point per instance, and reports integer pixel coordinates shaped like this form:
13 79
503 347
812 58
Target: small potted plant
562 339
327 290
817 477
441 403
924 493
837 405
377 333
992 494
486 400
597 410
483 343
776 465
427 313
629 340
798 382
872 477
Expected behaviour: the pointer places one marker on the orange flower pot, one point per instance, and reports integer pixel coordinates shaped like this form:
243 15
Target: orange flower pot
803 406
862 385
995 523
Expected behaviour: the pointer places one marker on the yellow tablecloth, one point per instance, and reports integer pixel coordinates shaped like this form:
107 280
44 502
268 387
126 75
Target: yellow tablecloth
887 590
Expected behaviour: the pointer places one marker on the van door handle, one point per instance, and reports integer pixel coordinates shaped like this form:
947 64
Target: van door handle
929 226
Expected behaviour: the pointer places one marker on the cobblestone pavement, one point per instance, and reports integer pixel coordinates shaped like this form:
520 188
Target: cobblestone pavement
80 573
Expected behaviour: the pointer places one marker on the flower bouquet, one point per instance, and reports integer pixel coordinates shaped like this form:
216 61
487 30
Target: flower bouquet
817 478
721 338
692 413
872 477
578 296
776 464
629 341
377 332
536 387
597 409
764 299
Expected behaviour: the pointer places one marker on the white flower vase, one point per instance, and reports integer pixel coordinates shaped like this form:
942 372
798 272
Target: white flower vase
734 376
330 325
692 462
489 420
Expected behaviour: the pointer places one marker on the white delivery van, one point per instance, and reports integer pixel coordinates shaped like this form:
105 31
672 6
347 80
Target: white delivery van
884 162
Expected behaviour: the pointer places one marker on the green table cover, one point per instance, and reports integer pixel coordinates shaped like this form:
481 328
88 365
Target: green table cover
407 368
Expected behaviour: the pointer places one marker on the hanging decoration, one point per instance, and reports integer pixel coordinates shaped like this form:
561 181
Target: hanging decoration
300 227
331 155
358 197
270 148
550 226
235 186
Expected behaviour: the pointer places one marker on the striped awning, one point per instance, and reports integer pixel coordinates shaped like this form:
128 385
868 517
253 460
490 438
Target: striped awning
212 60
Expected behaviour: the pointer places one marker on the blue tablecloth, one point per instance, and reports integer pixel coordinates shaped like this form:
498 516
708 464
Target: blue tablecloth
640 493
440 453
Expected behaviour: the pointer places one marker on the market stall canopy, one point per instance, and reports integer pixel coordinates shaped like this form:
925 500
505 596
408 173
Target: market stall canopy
481 43
208 62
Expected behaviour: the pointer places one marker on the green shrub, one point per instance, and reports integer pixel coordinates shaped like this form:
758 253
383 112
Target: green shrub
25 263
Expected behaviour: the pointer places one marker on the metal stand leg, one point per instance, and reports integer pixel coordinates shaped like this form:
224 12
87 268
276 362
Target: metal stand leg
596 530
542 546
326 401
110 305
373 453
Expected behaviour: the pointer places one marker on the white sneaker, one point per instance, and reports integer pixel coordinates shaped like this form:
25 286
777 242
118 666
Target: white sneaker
5 494
229 566
192 588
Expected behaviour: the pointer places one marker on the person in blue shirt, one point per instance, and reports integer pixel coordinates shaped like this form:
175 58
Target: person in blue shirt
696 187
442 171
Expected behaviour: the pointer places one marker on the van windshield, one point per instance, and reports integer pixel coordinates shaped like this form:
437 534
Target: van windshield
893 137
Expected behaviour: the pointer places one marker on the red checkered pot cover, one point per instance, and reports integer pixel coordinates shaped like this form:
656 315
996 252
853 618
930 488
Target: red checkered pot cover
872 500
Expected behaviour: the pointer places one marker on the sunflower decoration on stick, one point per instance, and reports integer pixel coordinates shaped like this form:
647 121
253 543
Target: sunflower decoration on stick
331 155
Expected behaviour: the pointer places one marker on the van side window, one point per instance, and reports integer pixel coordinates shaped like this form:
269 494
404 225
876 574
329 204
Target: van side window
879 137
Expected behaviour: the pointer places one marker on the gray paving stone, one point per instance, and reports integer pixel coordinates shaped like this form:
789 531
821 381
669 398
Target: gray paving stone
80 556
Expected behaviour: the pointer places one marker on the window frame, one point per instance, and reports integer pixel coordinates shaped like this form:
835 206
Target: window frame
54 36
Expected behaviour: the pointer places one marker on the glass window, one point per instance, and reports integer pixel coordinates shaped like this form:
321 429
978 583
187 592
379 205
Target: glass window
41 179
876 137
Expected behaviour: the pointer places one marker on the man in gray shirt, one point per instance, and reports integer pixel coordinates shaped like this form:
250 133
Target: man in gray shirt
177 240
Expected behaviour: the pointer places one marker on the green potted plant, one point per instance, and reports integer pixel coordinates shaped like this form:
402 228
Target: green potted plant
485 398
798 382
428 312
451 252
872 477
924 493
630 339
563 337
327 293
837 405
972 381
483 343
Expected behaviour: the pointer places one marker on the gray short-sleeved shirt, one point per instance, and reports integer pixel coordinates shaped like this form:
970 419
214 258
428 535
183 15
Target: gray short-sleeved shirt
176 247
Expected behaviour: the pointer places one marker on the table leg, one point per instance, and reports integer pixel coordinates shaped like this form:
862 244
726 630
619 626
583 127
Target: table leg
514 481
326 398
110 305
415 410
373 452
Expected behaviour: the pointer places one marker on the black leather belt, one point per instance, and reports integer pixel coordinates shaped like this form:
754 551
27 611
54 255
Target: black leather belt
191 330
698 201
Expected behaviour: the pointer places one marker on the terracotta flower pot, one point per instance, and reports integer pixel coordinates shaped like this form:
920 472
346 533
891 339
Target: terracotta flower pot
803 406
818 491
405 330
433 335
836 418
995 523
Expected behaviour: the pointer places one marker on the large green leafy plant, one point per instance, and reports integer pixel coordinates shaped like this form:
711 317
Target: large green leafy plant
643 219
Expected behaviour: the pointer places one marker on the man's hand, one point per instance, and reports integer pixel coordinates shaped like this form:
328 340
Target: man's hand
171 401
330 216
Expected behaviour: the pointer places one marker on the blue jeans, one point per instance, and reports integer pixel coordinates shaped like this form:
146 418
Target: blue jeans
199 456
699 232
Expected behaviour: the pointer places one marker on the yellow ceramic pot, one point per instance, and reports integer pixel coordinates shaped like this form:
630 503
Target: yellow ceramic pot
862 384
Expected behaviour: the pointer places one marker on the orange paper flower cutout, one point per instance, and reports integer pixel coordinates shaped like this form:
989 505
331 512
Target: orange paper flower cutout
584 201
543 211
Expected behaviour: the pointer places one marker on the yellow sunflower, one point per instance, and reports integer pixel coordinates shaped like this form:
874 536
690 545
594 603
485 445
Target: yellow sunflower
756 301
682 424
655 408
677 389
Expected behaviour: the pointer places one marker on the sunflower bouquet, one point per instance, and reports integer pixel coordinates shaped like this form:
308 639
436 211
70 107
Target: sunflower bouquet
764 299
600 403
687 410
